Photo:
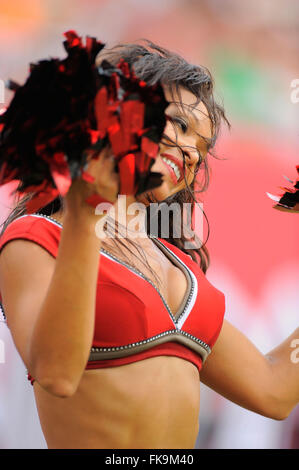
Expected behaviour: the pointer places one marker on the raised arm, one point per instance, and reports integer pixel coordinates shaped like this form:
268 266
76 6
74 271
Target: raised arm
265 384
50 304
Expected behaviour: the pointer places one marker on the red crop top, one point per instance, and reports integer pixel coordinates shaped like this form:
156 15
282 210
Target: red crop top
133 320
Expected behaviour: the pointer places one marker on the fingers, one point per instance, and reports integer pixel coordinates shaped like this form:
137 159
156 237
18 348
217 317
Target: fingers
98 159
98 155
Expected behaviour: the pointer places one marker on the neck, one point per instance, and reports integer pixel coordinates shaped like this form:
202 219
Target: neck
127 212
131 216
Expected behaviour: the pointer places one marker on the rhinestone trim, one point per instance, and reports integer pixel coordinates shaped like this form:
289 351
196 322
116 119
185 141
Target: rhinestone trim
192 281
41 215
153 338
142 275
48 217
148 280
2 312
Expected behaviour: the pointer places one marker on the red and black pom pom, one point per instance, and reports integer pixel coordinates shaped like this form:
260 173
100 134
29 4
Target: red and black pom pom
69 106
289 200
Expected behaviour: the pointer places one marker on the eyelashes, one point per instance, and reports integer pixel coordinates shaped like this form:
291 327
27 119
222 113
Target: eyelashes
181 122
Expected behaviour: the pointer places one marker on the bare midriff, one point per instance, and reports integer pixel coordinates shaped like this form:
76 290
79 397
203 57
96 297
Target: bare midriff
150 404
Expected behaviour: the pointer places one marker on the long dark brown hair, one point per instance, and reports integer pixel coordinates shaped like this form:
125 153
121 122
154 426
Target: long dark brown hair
153 63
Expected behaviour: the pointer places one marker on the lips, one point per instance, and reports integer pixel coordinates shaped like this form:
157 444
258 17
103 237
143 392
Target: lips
171 172
170 169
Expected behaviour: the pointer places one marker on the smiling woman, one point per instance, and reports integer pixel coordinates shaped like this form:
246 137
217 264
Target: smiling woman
117 380
194 120
115 353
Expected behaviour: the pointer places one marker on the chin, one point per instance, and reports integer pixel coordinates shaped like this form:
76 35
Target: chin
160 194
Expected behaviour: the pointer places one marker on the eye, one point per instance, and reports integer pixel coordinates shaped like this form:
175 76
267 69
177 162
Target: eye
182 123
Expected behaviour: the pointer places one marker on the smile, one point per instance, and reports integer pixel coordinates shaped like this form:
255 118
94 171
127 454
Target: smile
174 169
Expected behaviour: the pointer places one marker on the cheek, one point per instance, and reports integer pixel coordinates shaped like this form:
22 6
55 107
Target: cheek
166 189
190 174
190 177
170 132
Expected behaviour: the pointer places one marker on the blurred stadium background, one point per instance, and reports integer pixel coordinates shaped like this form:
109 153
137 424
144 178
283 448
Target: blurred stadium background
252 50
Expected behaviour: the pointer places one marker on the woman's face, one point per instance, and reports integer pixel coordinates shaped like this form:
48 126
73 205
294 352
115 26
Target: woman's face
188 126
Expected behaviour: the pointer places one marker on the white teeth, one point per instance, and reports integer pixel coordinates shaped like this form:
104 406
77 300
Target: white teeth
174 166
